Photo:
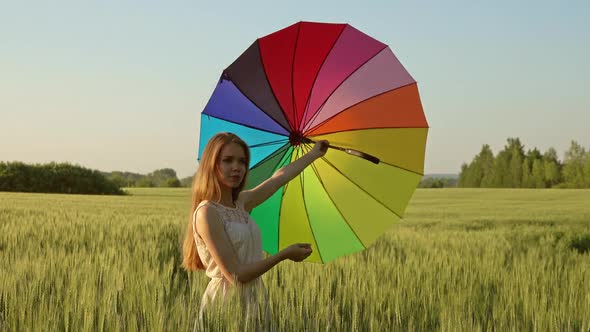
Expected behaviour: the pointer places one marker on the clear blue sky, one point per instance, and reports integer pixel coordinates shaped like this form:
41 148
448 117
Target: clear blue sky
119 85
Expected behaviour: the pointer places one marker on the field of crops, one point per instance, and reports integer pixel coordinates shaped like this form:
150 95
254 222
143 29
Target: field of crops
463 259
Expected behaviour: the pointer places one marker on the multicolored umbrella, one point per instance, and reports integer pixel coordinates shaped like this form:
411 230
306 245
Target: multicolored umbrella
314 81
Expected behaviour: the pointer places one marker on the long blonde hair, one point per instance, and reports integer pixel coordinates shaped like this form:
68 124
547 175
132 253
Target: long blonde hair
206 187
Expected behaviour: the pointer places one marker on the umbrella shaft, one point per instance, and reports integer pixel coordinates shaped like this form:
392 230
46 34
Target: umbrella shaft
352 152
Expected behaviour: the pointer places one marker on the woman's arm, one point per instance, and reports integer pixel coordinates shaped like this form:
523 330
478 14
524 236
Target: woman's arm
256 196
211 229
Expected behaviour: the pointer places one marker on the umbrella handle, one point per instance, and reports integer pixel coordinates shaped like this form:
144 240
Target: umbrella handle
352 152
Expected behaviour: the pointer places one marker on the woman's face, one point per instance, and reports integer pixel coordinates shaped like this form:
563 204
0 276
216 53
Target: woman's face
231 166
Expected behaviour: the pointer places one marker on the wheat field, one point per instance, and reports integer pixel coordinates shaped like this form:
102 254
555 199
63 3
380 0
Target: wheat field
461 260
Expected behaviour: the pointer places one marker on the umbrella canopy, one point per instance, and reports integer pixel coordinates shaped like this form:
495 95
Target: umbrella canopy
314 81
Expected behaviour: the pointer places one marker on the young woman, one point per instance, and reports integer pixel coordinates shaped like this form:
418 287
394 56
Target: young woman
221 237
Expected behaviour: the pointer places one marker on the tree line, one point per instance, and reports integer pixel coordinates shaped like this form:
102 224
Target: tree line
74 179
438 181
512 167
165 177
54 178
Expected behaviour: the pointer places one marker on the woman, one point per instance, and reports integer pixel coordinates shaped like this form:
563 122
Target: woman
221 237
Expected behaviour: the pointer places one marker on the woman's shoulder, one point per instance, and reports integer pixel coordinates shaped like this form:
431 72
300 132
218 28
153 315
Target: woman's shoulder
205 208
207 215
204 202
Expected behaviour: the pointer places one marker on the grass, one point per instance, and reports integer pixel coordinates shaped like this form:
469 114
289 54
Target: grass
463 259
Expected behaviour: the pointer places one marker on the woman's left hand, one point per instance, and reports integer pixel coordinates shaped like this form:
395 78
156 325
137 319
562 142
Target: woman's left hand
319 149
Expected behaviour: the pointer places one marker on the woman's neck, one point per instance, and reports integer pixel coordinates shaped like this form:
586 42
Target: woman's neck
226 197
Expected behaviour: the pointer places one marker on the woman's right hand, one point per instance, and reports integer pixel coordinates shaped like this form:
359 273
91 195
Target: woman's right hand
297 252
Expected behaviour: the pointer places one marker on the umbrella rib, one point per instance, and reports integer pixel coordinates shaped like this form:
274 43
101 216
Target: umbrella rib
316 77
361 188
402 168
279 141
349 107
285 158
278 151
245 125
340 84
301 179
334 203
357 129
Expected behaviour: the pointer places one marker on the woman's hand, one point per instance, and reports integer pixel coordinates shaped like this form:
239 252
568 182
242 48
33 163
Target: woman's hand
297 252
319 149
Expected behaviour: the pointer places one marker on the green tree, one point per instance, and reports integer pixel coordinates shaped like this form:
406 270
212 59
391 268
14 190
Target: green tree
507 170
172 183
573 166
530 158
163 177
474 174
538 174
486 163
187 181
463 175
516 157
552 167
118 179
501 174
480 172
527 177
145 182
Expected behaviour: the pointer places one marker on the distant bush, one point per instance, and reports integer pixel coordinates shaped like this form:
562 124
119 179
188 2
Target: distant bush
438 182
580 243
186 182
55 178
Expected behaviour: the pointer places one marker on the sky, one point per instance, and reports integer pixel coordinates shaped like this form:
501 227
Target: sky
120 85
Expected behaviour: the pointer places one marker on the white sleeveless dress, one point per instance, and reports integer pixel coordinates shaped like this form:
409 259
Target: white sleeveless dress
244 236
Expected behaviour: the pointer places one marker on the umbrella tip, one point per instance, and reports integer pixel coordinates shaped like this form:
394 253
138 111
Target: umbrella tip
224 76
